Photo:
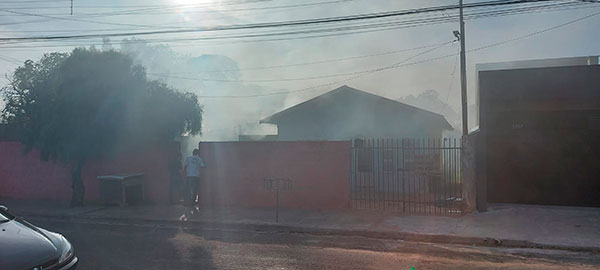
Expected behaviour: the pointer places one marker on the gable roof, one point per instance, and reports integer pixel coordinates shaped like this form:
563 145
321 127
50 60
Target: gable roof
335 94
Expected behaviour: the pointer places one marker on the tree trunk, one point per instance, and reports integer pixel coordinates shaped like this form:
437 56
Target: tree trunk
77 185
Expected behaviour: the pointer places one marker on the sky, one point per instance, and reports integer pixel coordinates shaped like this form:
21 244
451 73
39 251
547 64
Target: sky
226 115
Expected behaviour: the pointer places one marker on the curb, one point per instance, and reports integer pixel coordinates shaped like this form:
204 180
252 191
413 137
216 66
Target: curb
273 227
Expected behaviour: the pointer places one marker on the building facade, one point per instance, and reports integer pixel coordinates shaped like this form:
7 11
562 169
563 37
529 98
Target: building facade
538 133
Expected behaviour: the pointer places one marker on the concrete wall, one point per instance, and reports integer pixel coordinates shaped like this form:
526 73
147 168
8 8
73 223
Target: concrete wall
235 173
25 176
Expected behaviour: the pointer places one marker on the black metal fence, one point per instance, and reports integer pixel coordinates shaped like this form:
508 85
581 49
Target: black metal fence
407 175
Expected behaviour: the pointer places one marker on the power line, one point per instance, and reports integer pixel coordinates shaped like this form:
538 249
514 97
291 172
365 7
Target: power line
403 64
290 65
453 74
164 25
10 60
70 19
352 30
358 17
49 18
33 1
161 6
166 8
504 12
146 13
537 32
311 62
394 65
175 8
384 26
291 79
395 25
400 64
488 45
236 42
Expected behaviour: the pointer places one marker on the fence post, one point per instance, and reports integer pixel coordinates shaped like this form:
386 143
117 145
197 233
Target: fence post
403 178
277 210
353 184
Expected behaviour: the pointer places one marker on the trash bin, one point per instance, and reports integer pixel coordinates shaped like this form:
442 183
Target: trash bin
122 189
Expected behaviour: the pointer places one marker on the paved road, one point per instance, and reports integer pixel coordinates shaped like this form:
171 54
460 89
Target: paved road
114 246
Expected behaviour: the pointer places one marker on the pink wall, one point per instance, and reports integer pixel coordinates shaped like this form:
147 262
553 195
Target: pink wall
25 176
234 175
320 172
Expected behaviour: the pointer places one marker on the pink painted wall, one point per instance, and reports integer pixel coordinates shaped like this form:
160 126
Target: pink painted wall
25 176
235 173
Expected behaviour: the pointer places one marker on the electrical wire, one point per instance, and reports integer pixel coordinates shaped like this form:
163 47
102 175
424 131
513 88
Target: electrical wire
453 74
364 73
309 63
359 17
468 16
403 24
156 6
221 11
10 60
33 1
303 78
230 43
404 64
396 65
70 18
165 25
401 64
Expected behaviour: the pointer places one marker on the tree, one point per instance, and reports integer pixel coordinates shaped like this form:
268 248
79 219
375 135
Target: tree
90 105
209 74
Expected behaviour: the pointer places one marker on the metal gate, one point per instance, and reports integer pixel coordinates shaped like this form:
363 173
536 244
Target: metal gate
407 175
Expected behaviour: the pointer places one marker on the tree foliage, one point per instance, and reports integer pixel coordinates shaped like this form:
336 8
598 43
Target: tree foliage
90 104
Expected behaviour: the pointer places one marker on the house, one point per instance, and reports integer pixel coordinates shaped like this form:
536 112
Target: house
346 113
539 124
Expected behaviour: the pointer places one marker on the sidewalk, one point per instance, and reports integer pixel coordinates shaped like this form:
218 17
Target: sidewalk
571 228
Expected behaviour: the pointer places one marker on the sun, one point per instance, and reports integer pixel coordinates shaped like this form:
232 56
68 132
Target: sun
194 2
187 8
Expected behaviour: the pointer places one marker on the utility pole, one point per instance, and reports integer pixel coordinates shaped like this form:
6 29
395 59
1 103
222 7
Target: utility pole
463 72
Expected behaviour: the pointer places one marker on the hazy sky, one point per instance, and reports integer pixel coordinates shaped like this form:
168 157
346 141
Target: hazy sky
577 39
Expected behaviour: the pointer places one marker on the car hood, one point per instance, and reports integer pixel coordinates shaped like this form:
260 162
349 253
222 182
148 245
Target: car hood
25 246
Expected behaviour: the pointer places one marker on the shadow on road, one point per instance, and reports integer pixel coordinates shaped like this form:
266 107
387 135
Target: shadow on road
120 247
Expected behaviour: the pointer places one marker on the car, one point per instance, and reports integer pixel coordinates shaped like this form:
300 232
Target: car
28 247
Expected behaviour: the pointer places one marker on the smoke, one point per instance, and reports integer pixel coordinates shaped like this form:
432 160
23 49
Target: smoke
225 119
430 100
210 75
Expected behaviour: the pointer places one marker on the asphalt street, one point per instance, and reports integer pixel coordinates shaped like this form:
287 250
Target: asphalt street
138 246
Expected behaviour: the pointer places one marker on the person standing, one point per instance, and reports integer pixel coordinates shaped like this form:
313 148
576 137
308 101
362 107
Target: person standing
193 165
